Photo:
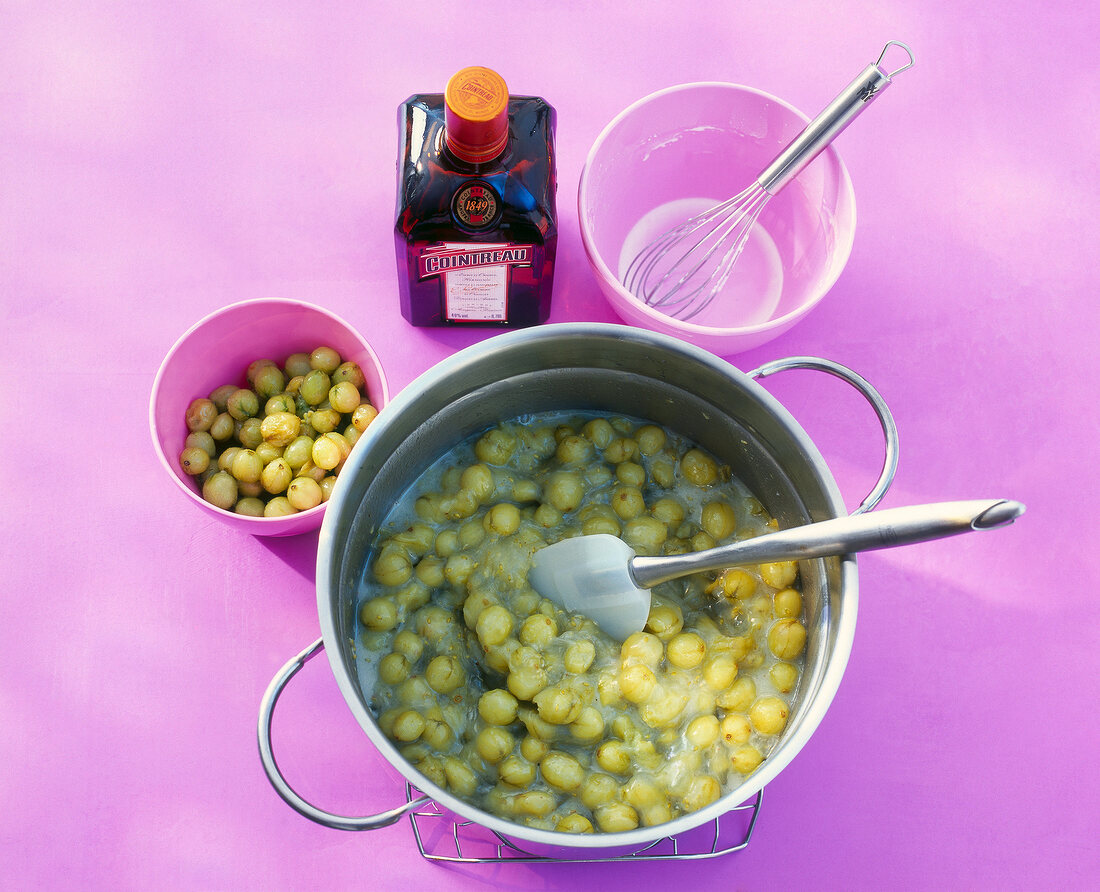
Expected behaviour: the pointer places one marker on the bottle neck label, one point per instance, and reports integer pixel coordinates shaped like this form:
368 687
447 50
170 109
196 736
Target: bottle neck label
476 205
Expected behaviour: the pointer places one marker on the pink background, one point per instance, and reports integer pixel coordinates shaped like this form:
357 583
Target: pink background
160 160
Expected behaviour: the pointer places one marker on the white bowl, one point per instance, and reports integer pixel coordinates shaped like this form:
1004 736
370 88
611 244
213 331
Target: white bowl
688 147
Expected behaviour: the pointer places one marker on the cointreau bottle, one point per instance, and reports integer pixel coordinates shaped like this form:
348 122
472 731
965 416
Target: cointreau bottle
476 228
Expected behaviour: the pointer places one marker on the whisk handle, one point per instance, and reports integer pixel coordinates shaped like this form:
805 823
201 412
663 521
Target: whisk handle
823 129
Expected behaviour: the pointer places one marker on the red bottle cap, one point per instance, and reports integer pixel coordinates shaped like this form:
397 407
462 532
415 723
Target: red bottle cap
477 114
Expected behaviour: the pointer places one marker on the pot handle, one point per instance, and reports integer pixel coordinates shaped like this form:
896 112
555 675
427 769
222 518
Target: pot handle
267 757
885 418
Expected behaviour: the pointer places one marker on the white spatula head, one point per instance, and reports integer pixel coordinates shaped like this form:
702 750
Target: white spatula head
590 575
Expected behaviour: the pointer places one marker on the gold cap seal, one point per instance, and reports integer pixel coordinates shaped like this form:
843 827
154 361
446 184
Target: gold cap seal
477 114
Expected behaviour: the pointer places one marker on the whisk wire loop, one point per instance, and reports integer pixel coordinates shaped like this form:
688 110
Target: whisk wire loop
721 235
716 225
636 276
745 224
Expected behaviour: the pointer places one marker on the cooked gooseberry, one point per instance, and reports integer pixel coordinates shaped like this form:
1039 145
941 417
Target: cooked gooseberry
304 493
201 414
315 387
276 476
281 428
221 490
247 466
339 439
363 416
297 364
242 404
298 451
281 402
269 381
202 440
194 460
350 372
223 427
344 397
249 489
220 395
325 358
268 453
326 453
255 366
250 434
225 460
311 469
250 506
323 420
279 507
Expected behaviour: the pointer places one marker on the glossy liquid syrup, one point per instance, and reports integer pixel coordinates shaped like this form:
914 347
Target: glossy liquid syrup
751 294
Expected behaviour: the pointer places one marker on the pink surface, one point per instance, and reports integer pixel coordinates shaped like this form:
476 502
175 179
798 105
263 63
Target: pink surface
162 160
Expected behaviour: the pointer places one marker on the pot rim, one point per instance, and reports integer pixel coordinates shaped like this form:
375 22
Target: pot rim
641 836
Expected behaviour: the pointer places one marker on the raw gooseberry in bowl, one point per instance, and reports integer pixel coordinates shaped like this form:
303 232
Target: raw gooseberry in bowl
256 407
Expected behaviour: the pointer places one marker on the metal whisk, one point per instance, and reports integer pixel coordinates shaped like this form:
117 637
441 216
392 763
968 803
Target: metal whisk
681 271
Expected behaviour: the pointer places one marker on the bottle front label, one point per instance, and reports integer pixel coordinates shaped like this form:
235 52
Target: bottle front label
474 277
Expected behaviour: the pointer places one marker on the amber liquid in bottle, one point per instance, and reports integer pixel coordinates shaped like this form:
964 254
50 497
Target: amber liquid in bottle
476 239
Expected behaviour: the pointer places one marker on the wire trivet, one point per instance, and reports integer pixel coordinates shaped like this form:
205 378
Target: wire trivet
441 836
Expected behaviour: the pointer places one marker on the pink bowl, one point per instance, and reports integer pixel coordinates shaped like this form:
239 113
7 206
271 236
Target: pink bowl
216 351
683 149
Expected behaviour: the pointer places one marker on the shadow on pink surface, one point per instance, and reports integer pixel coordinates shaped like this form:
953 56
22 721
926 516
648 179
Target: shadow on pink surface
299 553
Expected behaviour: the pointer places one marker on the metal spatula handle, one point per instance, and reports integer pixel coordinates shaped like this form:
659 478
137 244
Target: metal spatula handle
823 129
842 535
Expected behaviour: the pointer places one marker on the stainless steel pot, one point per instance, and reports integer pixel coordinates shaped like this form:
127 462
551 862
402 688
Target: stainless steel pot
585 366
